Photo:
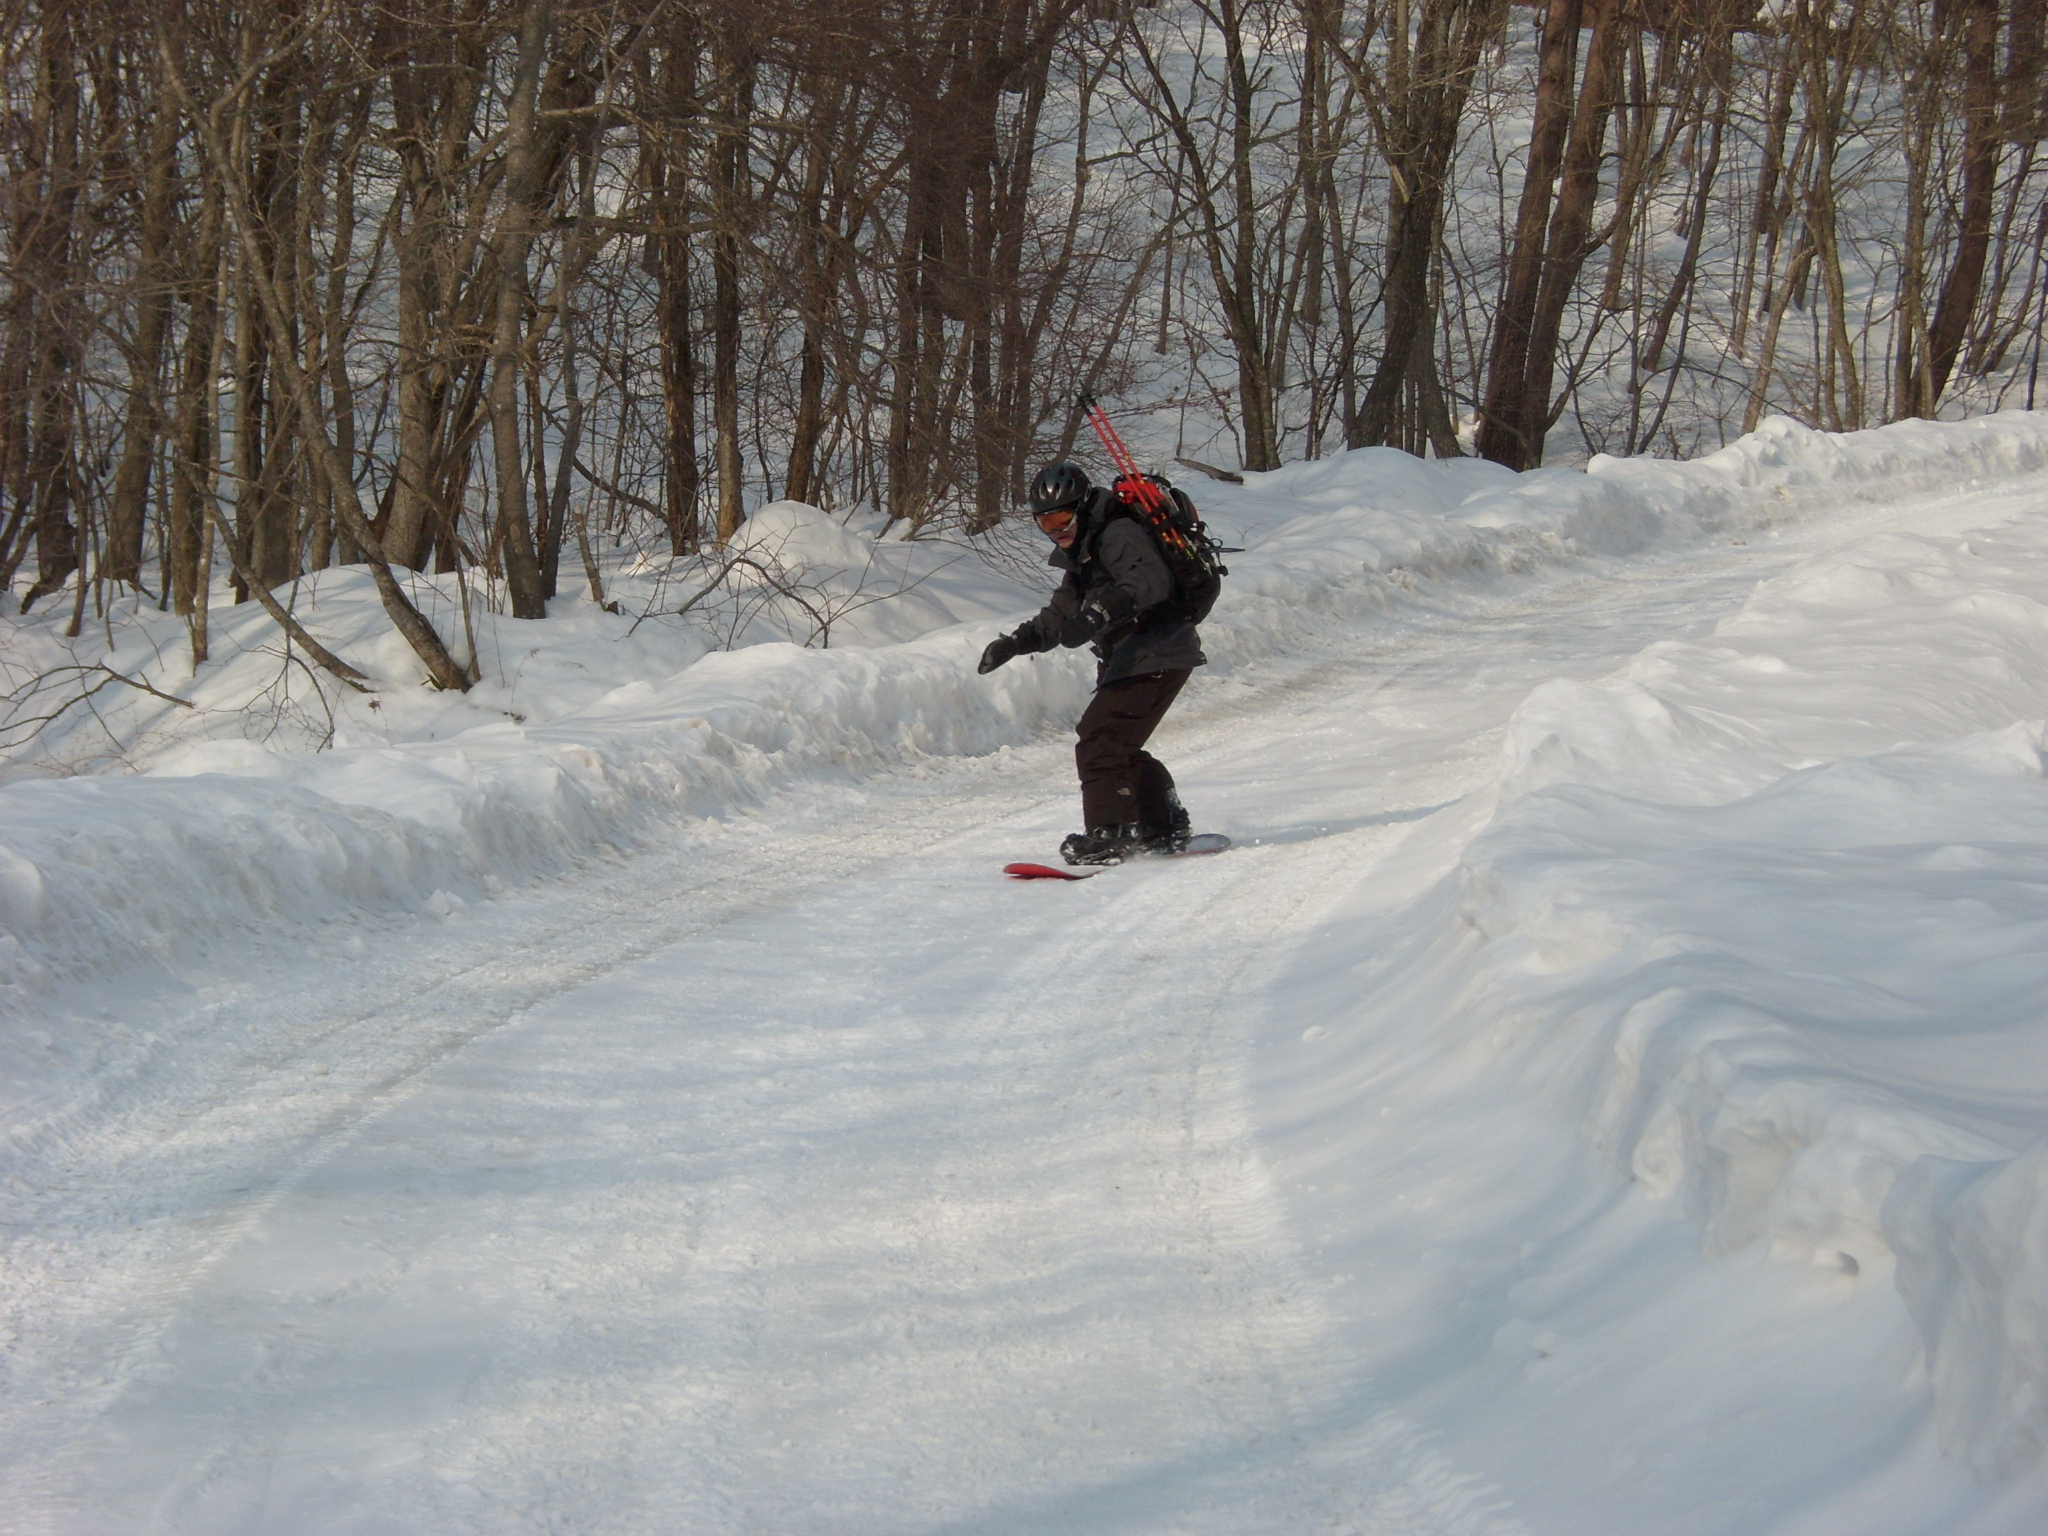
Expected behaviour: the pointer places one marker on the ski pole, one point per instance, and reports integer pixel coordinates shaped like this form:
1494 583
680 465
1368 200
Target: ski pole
1132 485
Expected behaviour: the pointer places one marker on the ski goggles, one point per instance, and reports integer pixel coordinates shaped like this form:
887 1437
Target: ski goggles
1058 520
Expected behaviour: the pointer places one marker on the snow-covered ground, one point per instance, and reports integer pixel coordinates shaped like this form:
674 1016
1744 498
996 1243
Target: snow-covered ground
1606 1091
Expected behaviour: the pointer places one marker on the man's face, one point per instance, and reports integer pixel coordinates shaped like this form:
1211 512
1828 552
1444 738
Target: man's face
1062 525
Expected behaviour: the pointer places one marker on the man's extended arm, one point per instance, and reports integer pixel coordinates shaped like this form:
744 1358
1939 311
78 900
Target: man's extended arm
1077 614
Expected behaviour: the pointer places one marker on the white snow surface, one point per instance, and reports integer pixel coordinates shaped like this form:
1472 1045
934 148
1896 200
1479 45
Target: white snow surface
1605 1091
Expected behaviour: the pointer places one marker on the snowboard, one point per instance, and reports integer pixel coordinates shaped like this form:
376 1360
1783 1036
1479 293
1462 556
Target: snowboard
1201 842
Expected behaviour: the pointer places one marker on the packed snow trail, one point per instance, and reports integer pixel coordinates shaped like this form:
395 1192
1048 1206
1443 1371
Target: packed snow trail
903 1124
852 1188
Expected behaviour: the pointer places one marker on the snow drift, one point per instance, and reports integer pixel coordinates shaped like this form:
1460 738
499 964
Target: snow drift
1766 916
590 728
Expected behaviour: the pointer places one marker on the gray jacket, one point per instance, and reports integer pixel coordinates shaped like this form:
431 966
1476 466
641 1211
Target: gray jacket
1115 578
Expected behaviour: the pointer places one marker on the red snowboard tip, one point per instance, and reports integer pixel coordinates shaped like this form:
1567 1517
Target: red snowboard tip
1039 872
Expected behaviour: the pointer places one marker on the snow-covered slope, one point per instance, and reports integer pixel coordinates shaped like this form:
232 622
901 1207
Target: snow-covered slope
583 733
1788 998
1763 917
1633 1080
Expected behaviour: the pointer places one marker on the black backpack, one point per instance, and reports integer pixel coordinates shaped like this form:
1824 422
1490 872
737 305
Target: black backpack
1184 543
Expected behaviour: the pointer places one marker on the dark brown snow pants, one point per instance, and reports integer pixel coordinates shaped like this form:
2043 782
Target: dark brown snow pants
1120 780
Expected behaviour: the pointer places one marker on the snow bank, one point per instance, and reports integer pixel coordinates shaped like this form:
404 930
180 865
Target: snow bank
591 726
1766 916
1400 516
794 575
1973 1266
226 834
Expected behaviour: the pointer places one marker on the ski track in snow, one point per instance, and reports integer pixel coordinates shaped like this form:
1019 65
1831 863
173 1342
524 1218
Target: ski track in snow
805 1177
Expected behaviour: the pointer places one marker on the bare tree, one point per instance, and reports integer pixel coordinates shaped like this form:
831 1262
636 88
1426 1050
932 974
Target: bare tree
270 276
1417 100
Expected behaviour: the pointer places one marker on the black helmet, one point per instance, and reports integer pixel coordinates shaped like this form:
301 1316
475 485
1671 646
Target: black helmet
1059 485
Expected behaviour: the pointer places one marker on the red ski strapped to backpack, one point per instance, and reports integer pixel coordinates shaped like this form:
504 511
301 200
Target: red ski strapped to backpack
1169 515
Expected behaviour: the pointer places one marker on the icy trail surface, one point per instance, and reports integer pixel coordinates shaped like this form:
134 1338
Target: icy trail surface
1403 1170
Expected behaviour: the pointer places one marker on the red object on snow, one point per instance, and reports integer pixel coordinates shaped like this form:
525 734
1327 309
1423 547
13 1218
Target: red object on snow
1043 872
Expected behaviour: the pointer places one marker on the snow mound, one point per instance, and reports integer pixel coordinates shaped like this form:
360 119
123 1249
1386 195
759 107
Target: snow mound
1973 1266
593 729
222 836
1765 916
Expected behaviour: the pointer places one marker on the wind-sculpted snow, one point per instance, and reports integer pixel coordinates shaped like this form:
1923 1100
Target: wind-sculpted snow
179 867
1972 1236
1765 915
1581 1103
589 729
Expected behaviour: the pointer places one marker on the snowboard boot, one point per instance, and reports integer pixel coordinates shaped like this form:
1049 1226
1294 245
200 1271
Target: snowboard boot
1103 845
1170 835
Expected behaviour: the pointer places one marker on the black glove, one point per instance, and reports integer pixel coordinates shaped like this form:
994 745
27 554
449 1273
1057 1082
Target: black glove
1101 611
1001 649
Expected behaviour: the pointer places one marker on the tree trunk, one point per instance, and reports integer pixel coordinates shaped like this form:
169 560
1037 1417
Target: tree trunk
196 449
1423 111
1552 228
820 210
1959 291
514 240
333 544
248 427
729 151
1257 385
409 527
664 171
49 256
142 426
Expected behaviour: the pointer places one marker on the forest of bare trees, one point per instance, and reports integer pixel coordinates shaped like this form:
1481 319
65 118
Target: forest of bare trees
455 285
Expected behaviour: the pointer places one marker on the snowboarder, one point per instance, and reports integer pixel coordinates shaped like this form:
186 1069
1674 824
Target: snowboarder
1118 596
